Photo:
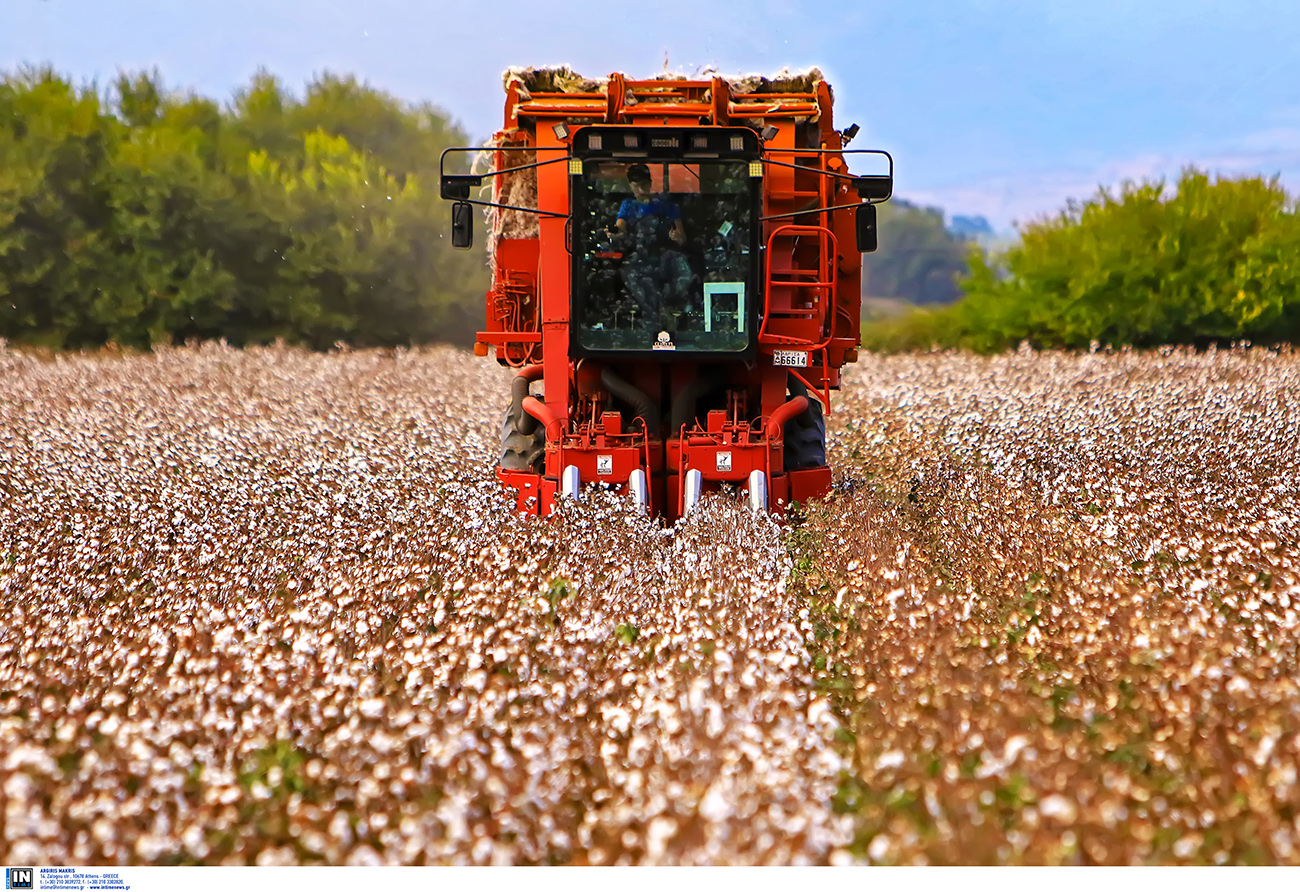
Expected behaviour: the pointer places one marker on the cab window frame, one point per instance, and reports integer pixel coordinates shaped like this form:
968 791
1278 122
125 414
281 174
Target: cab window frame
585 237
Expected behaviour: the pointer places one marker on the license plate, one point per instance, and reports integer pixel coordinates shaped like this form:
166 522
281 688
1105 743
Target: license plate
794 358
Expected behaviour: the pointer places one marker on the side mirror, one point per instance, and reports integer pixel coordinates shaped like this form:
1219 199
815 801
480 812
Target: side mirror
876 187
457 186
864 223
462 225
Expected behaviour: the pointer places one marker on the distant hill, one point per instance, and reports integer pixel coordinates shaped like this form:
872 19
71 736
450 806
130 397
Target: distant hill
972 228
918 256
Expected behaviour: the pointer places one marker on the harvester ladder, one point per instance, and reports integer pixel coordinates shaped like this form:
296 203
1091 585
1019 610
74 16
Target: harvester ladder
800 287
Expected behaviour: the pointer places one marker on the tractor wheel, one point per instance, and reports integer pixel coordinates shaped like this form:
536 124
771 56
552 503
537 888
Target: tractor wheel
805 434
523 442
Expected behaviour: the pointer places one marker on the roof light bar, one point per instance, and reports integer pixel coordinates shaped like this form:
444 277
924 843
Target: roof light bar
665 142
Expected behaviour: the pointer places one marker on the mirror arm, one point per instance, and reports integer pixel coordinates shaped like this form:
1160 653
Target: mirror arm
838 207
513 207
456 186
816 170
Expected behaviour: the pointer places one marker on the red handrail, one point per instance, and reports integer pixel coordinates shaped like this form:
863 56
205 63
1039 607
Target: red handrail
825 282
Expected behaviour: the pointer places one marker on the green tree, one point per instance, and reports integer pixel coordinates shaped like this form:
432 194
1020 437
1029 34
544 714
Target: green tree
56 145
157 215
139 98
1207 260
404 139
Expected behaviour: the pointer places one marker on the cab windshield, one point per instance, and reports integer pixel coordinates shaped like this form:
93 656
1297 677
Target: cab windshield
664 256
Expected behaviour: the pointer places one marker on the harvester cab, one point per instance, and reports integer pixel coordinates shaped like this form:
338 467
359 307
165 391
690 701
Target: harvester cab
677 265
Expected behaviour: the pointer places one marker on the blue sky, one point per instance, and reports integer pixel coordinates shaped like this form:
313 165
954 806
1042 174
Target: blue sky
1000 107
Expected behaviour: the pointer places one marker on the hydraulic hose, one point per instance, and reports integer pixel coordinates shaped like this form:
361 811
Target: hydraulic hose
776 424
542 412
642 407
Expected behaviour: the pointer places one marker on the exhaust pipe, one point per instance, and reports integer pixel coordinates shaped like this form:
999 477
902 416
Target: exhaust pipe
571 484
639 489
694 488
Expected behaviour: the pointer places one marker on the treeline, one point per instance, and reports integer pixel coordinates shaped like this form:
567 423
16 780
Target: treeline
1206 261
139 215
136 215
919 260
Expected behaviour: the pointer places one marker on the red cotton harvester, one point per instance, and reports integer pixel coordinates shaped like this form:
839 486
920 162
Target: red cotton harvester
677 264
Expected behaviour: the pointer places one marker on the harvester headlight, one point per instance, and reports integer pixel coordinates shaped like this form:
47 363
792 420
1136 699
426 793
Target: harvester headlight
738 143
756 168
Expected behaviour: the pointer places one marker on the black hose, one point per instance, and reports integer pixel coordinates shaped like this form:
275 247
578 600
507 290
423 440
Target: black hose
642 407
518 390
685 403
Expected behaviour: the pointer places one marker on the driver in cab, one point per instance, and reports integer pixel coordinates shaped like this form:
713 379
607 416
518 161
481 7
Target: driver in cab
654 273
644 204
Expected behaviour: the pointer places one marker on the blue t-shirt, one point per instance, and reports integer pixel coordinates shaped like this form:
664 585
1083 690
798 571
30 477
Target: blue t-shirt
632 210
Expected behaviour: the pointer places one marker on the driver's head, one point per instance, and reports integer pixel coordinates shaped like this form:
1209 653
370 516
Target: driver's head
638 177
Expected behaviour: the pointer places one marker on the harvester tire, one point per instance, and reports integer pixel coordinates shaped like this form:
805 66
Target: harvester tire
523 442
805 434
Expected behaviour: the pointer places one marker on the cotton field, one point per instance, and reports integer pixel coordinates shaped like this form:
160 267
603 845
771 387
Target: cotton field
270 607
1058 602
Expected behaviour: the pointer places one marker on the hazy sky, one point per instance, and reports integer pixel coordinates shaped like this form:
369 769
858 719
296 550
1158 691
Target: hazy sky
999 107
